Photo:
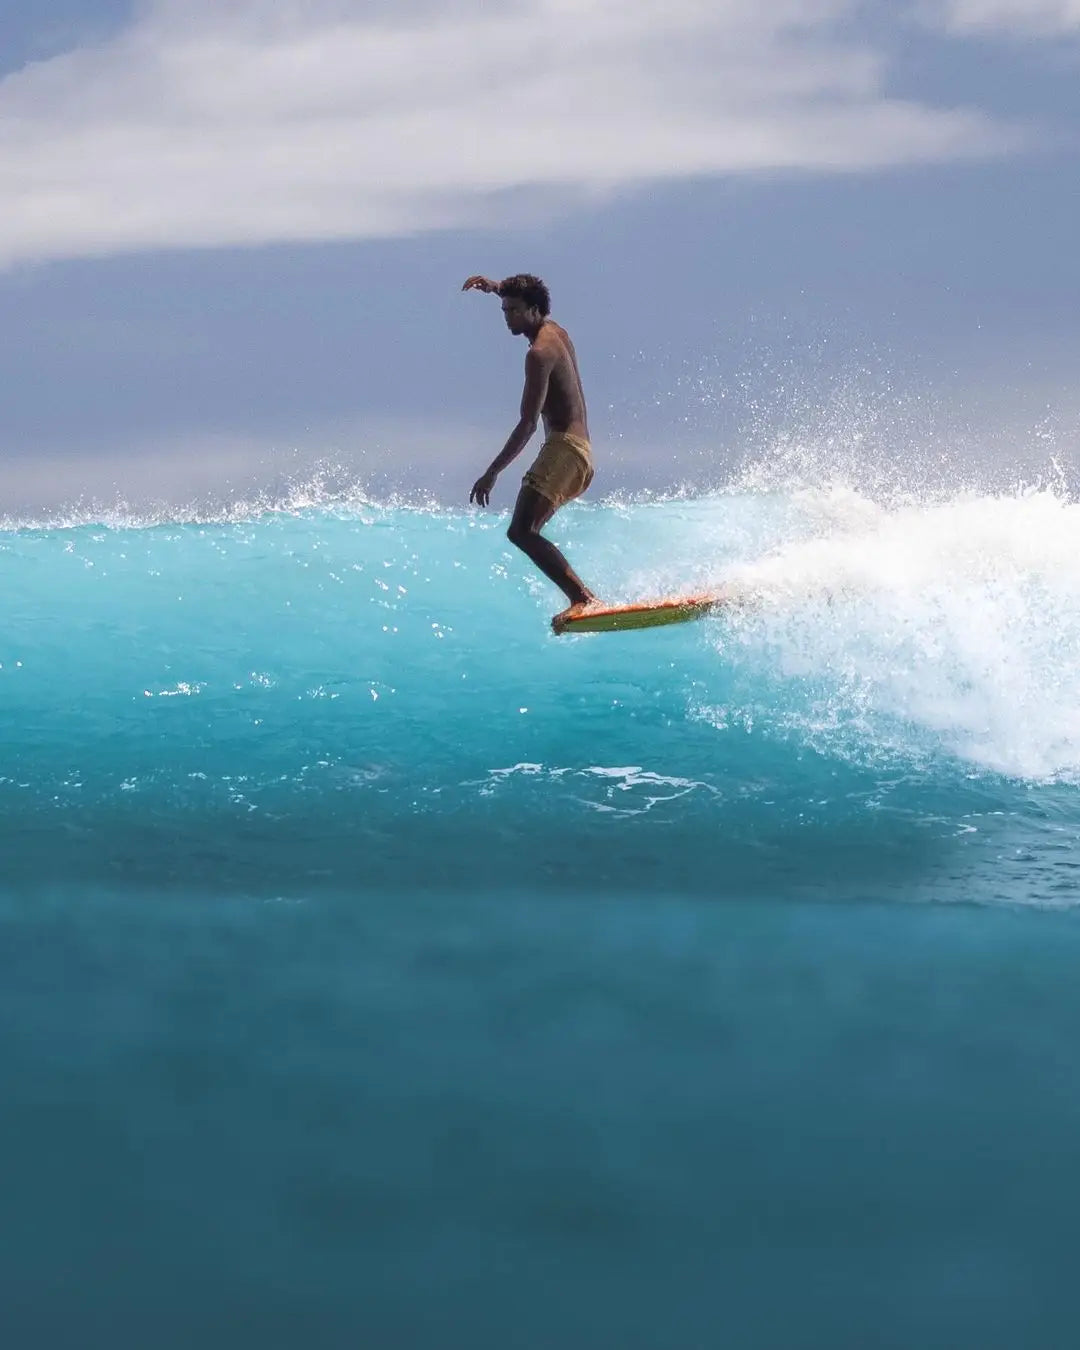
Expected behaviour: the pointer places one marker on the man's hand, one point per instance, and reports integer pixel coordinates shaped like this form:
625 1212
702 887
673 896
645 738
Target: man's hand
481 284
481 489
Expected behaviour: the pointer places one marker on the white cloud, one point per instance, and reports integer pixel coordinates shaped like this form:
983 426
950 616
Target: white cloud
219 122
1020 18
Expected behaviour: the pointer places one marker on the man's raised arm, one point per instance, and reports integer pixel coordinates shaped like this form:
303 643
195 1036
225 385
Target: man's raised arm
481 284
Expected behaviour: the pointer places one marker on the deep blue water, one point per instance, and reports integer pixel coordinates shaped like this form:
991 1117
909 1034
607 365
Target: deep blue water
377 969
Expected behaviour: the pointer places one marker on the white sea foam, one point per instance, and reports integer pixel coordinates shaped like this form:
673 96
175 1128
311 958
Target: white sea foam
959 619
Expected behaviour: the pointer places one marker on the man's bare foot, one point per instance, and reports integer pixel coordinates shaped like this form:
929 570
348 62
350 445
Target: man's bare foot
559 622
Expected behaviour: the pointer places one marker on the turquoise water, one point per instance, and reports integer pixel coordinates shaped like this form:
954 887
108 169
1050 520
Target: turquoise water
377 969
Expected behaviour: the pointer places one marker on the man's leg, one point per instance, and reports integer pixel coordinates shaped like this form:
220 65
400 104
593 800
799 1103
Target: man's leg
531 513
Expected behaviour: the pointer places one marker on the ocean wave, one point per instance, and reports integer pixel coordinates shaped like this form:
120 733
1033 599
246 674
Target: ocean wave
379 664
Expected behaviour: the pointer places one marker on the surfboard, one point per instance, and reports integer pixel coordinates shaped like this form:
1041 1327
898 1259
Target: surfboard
646 614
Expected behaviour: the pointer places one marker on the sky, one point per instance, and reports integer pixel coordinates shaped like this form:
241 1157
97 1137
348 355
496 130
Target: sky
234 234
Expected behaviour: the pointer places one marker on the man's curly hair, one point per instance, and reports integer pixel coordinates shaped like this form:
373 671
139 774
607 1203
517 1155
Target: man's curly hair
531 289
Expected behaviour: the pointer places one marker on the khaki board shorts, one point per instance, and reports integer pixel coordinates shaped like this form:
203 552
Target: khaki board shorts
562 470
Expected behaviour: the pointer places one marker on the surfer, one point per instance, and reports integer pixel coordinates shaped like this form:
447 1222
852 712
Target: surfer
563 469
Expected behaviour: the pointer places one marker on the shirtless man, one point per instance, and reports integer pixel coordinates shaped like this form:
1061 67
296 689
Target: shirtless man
563 469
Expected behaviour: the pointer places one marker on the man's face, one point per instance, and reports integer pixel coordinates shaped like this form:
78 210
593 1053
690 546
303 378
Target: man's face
516 313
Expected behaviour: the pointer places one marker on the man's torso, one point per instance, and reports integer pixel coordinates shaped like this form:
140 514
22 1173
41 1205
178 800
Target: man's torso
564 407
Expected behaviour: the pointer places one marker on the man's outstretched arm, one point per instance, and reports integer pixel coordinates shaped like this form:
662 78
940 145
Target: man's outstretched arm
482 284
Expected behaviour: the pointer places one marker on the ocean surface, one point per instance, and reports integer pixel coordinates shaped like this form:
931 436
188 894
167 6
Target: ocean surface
378 970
